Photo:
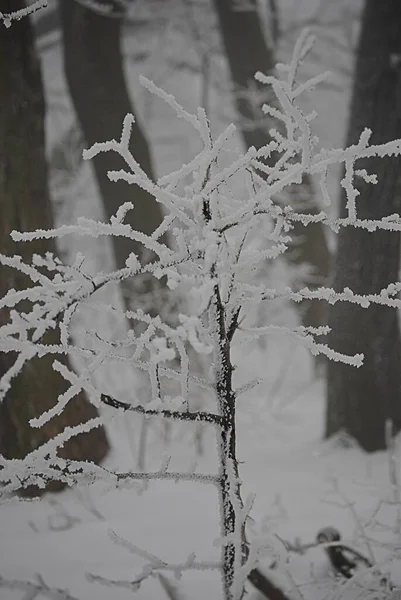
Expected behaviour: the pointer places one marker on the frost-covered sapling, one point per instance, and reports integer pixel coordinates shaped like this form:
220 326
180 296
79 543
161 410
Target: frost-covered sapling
213 225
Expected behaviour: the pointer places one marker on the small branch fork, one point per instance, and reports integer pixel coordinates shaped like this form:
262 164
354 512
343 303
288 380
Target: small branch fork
156 564
153 567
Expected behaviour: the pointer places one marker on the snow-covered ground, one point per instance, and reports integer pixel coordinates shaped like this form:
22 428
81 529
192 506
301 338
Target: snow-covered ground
301 483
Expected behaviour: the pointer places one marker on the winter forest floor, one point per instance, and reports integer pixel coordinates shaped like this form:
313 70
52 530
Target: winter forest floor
301 484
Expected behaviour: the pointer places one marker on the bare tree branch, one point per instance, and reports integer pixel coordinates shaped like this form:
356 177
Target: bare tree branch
16 15
169 414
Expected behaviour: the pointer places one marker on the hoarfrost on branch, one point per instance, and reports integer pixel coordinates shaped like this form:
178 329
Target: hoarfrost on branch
213 228
16 15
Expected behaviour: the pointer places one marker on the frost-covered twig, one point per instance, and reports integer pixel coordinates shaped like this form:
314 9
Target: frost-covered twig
158 563
42 469
152 567
205 417
16 15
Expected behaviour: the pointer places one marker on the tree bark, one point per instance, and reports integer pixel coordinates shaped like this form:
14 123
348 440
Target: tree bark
93 66
248 52
25 206
360 400
48 22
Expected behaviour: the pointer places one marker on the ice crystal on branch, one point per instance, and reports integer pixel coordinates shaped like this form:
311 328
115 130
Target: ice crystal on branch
215 228
16 15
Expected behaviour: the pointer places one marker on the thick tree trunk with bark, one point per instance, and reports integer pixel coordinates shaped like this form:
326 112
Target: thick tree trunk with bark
25 206
93 65
360 400
248 52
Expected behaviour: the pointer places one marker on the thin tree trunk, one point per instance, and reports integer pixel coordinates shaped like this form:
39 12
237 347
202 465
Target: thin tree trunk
360 400
236 548
247 52
93 65
229 486
25 205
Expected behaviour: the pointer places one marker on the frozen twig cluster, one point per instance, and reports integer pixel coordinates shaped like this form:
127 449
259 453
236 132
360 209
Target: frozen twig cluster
213 255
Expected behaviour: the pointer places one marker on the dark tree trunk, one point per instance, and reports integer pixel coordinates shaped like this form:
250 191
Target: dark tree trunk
93 65
25 205
360 400
48 22
248 52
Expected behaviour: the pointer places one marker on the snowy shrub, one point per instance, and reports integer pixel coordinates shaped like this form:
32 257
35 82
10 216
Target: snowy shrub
212 253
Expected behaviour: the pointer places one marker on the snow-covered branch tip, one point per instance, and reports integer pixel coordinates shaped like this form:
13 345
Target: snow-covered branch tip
153 566
17 15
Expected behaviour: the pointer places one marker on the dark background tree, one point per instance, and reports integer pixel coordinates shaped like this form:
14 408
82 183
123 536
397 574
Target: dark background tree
248 51
94 69
25 205
361 400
